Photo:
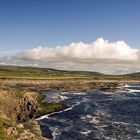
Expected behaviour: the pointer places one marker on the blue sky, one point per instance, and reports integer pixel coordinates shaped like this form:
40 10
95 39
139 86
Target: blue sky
26 24
94 35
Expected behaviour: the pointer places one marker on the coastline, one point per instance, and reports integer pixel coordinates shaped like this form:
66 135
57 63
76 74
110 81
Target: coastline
27 94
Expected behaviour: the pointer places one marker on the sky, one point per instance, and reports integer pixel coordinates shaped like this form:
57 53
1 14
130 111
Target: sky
71 34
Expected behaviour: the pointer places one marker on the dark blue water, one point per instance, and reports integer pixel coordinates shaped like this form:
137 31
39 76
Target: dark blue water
96 116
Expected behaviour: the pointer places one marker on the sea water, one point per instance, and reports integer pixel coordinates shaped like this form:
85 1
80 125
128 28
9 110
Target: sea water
95 116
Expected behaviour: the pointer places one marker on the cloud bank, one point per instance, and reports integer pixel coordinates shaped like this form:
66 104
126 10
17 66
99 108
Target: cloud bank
101 56
99 49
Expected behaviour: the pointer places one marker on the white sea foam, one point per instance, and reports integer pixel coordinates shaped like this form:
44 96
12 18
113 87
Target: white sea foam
110 138
83 117
63 97
42 117
133 90
85 132
67 109
131 86
126 86
79 93
63 93
94 120
55 132
89 116
108 93
73 93
122 123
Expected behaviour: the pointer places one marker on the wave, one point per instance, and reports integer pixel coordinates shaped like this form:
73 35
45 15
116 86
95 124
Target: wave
127 86
130 88
131 85
48 115
85 132
55 132
75 93
94 120
79 93
63 97
133 90
64 93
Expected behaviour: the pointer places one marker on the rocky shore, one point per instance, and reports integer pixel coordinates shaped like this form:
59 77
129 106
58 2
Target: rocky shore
21 103
16 113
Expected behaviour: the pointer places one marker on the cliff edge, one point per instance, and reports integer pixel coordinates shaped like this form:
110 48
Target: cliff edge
17 116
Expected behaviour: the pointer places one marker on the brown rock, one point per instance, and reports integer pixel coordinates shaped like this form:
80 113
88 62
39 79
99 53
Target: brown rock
12 131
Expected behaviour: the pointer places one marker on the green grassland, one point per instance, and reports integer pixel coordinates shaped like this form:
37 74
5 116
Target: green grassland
15 72
40 73
46 108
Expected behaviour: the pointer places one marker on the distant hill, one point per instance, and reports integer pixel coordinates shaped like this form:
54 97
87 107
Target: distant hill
16 72
42 73
137 74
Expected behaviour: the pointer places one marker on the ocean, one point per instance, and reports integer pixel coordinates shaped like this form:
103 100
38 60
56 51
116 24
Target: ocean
95 116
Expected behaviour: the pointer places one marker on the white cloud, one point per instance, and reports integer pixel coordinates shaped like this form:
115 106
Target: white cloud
100 49
101 55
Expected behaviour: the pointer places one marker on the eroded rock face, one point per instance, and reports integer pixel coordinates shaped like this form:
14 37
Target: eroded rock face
12 131
18 110
26 109
29 131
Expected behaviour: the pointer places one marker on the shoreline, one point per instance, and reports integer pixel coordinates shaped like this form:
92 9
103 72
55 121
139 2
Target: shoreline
43 81
23 98
47 115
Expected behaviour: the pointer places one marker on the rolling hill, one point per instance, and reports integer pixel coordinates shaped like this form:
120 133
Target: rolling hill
16 72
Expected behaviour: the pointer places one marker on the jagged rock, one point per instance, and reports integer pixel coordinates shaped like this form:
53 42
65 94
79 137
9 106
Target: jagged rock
27 136
20 109
12 131
23 109
26 110
20 126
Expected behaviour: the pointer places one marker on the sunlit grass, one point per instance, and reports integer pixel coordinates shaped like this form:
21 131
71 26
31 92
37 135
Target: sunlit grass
30 73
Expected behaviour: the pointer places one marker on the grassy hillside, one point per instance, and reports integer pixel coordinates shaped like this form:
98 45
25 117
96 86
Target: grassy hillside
41 73
15 72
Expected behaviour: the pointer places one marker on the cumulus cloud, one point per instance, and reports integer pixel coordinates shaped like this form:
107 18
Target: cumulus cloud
101 56
99 49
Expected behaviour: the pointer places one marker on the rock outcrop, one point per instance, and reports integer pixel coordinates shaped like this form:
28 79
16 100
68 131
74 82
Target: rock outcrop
17 114
27 108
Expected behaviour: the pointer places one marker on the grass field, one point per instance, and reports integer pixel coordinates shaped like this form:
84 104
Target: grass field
15 72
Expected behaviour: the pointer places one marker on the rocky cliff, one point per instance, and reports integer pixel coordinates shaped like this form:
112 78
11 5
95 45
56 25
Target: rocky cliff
17 113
